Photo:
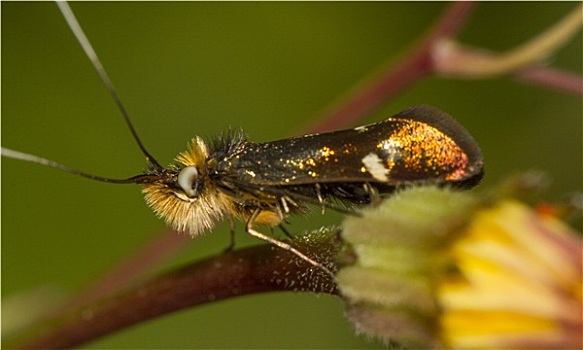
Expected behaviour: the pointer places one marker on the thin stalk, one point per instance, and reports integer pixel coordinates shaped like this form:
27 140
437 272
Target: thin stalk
247 271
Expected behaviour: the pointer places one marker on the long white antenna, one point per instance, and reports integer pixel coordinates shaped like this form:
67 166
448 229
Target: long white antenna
86 45
88 48
7 152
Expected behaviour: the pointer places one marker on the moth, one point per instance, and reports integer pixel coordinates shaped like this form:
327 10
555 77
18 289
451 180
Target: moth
262 184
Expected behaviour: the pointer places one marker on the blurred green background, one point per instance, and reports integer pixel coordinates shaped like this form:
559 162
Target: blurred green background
186 69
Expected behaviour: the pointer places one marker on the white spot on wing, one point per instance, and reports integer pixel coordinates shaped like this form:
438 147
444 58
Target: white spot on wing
374 165
361 128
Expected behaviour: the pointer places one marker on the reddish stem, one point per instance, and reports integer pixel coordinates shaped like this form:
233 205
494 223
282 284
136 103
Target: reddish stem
248 271
160 248
414 65
553 78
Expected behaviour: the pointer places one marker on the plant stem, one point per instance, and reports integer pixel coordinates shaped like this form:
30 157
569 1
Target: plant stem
161 247
415 64
458 60
553 78
247 271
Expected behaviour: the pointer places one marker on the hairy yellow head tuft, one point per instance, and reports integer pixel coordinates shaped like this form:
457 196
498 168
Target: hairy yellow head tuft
181 212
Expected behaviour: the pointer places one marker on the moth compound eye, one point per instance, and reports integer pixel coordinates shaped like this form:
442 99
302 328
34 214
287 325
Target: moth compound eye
187 180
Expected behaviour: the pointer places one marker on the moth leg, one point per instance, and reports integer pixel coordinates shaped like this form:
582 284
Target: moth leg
374 196
282 245
320 198
286 201
285 231
232 233
283 201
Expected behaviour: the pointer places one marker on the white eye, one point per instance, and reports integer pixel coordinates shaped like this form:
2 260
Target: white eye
187 180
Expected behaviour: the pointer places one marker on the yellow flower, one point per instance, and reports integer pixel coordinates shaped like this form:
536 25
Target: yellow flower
520 282
436 268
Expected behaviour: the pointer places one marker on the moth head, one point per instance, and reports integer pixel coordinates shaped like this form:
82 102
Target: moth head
183 195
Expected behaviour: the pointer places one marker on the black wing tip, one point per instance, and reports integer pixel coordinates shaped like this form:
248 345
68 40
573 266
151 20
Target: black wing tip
471 181
434 117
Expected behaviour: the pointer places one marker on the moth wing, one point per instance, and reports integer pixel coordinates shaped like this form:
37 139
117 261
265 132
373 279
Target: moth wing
420 144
